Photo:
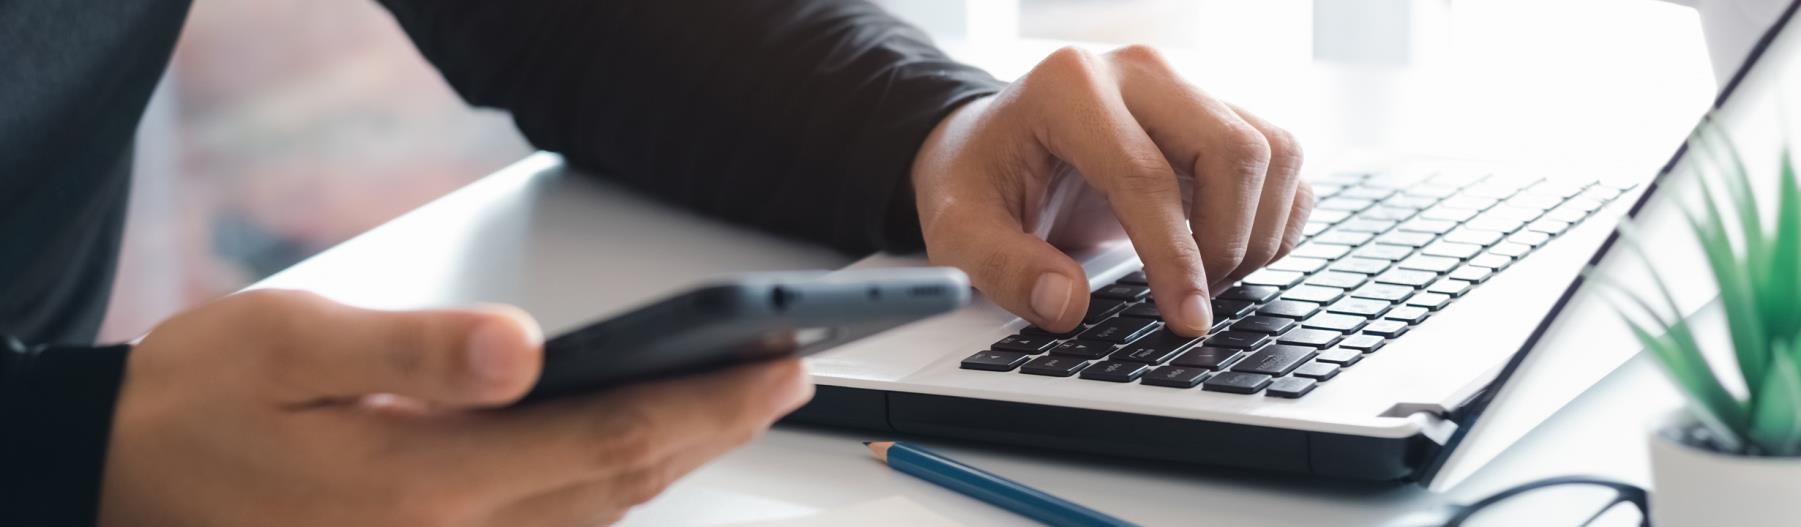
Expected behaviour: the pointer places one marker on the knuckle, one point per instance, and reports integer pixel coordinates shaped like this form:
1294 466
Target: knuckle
1246 145
1228 255
1283 147
1069 59
628 438
1141 55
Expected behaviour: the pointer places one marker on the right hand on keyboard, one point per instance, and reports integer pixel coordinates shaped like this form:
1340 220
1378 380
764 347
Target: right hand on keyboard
1121 120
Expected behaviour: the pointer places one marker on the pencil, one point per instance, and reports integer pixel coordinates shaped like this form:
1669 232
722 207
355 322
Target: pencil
998 491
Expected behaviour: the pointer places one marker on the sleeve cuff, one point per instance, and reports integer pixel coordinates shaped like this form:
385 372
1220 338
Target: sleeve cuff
56 406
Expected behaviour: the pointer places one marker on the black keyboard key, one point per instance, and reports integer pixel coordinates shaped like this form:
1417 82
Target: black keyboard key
1023 343
1133 278
1383 292
1451 288
1340 356
1256 294
1114 371
995 360
1236 382
1337 279
1035 330
1430 264
1289 309
1413 279
1276 360
1362 307
1291 387
1236 339
1471 273
1384 252
1385 328
1083 349
1408 314
1054 366
1263 324
1316 370
1143 310
1432 301
1155 348
1118 330
1316 338
1176 377
1224 308
1099 309
1208 357
1312 293
1362 265
1125 292
1363 343
1281 279
1335 322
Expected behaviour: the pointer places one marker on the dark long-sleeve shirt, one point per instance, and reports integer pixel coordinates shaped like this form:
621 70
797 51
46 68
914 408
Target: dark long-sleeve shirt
800 117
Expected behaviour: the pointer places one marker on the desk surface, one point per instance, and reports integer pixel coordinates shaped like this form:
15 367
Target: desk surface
571 248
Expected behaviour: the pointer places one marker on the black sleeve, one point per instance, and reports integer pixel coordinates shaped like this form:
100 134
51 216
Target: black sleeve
800 117
56 410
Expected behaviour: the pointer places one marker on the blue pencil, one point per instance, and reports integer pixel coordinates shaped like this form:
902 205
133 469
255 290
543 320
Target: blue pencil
998 491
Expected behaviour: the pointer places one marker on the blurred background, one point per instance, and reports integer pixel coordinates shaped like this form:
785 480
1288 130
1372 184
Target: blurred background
287 126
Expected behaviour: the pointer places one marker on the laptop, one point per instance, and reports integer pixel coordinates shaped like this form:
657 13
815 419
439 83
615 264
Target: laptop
1368 353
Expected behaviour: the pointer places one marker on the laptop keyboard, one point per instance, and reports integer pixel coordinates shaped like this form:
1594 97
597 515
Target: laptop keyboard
1381 254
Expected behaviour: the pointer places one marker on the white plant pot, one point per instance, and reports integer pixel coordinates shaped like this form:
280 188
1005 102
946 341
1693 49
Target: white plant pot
1696 487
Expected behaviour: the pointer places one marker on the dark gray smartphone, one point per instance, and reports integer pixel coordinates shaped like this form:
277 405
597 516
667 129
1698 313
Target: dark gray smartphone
744 319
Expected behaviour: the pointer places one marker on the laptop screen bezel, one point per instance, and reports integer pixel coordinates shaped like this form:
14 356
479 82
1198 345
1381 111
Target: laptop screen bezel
1466 416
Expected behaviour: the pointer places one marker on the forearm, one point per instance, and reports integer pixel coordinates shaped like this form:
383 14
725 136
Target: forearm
800 117
56 409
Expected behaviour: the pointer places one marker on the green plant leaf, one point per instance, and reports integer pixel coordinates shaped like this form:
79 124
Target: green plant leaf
1736 295
1775 426
1709 401
1782 286
1744 201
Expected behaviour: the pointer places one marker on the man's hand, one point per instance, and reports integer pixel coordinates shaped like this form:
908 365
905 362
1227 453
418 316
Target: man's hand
1158 156
283 408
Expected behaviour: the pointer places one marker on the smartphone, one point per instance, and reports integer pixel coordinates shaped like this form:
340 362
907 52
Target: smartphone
743 319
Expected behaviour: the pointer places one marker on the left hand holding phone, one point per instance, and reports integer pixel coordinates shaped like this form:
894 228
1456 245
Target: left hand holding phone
284 408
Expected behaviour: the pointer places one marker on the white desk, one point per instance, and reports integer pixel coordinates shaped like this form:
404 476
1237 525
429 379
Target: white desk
571 249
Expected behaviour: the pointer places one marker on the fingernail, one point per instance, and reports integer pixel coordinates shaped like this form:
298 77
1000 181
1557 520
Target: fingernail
793 394
1197 311
1050 295
493 350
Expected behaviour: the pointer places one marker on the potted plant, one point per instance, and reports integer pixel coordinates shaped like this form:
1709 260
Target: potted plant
1733 455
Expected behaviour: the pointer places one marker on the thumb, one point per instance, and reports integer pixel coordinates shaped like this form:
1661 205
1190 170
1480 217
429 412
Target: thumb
487 356
1014 269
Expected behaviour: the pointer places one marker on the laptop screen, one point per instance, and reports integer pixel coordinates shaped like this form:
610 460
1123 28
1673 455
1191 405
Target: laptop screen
1752 111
